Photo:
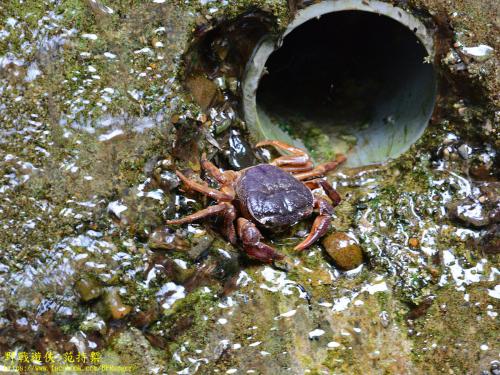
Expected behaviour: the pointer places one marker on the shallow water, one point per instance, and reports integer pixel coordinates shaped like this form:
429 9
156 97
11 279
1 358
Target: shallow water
94 121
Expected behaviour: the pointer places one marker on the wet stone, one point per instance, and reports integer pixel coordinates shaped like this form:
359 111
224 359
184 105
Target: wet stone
204 91
187 138
164 175
490 241
140 210
93 323
88 289
167 180
114 305
240 152
150 165
491 200
495 368
199 243
172 269
384 319
464 151
143 319
344 250
468 212
420 309
482 167
164 238
414 243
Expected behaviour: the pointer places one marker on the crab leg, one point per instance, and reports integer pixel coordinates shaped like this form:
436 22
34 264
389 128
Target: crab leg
224 208
212 193
320 224
327 188
298 158
206 212
225 179
213 170
229 217
321 169
299 168
251 238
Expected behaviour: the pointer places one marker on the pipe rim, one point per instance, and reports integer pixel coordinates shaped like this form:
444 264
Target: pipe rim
255 68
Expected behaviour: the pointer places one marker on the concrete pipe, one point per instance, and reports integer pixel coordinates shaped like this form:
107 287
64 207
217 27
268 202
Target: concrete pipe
358 72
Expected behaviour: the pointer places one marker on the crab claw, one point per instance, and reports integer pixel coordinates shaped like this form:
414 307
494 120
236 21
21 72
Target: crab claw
320 224
251 236
262 252
319 229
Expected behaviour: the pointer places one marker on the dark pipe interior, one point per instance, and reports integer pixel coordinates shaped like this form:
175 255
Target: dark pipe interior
338 69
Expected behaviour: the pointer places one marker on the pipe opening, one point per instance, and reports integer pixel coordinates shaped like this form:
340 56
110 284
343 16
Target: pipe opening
356 77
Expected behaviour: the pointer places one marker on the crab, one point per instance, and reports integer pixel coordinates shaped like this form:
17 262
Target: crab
271 196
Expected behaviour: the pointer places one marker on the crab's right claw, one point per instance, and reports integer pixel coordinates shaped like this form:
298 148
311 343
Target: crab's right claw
262 252
251 238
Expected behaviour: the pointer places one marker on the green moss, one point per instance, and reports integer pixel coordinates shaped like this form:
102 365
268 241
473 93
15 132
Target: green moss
383 300
192 308
236 7
458 329
320 145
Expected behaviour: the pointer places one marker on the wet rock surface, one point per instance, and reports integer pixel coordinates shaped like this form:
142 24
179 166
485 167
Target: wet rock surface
240 152
490 241
88 289
469 213
95 119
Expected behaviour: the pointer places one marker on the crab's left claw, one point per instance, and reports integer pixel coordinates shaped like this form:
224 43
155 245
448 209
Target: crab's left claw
319 229
298 161
251 238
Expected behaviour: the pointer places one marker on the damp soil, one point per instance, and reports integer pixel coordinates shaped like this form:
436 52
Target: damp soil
100 103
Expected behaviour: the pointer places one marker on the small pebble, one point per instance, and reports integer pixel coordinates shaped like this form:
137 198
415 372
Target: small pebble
414 243
88 289
495 368
344 250
115 305
384 319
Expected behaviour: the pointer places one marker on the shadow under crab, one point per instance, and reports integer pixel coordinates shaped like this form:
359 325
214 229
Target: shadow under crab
272 196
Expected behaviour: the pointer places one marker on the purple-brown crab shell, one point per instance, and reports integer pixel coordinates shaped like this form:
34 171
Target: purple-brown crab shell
272 197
